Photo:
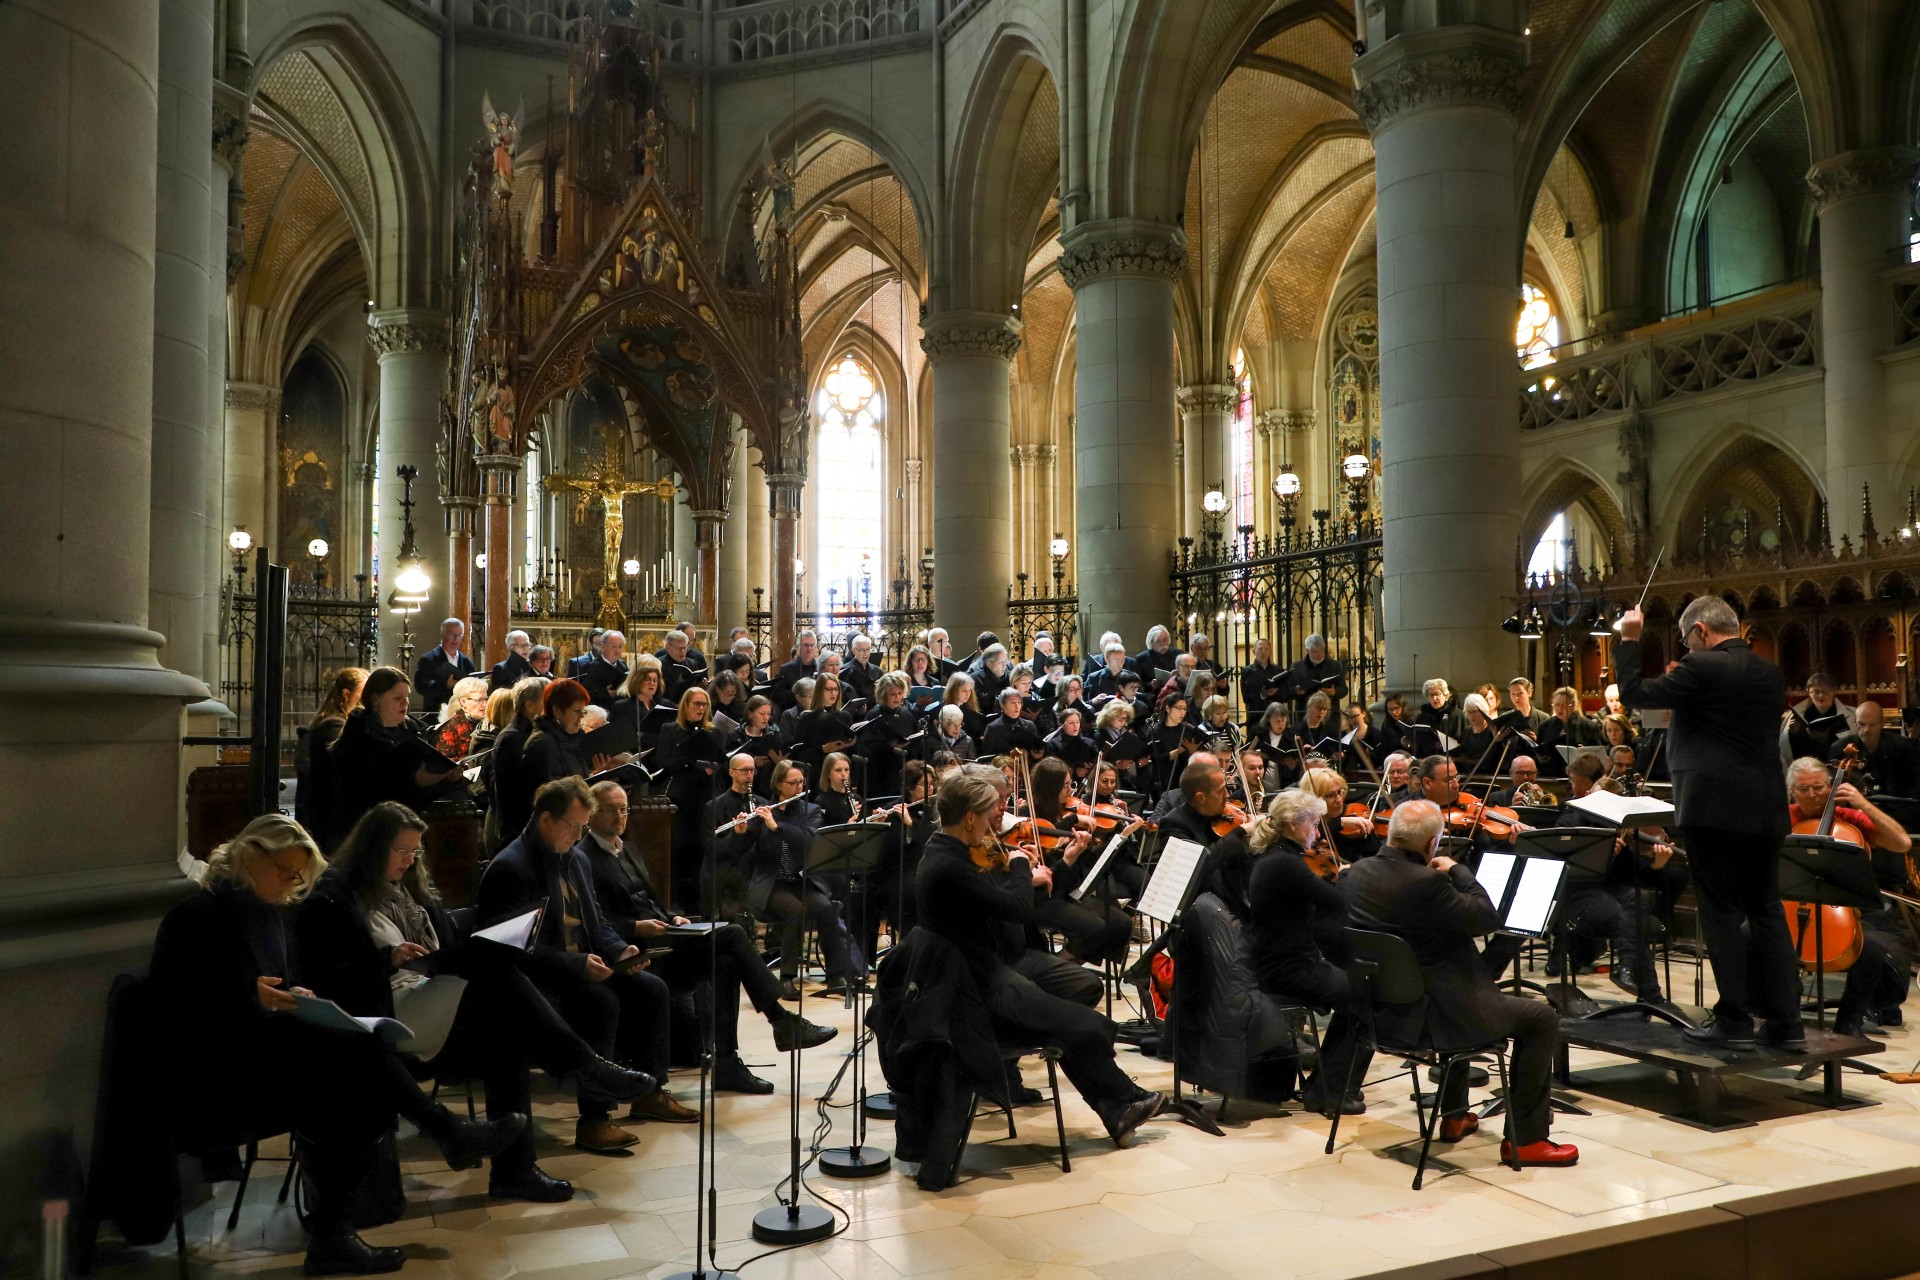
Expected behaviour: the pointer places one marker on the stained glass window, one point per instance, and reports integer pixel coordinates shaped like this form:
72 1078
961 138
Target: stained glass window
1550 553
1242 478
849 451
1537 332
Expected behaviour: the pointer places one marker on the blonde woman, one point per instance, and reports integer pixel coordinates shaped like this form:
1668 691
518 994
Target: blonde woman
465 711
223 985
693 753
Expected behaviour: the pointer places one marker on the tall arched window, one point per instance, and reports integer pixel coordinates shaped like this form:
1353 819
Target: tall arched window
1550 553
1537 332
849 450
1241 481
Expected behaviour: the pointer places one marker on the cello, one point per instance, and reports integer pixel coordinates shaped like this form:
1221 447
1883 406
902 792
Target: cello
1835 942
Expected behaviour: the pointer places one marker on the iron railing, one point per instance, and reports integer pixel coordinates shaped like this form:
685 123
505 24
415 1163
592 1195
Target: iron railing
1324 580
1057 614
326 630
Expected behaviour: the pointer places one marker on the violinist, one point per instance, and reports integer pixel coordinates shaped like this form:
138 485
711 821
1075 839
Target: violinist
982 902
1396 778
1877 982
1349 837
1202 814
1260 682
1294 916
1601 910
1095 930
1106 789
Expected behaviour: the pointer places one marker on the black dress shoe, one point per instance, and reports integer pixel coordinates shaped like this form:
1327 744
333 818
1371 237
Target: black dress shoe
344 1253
533 1183
610 1082
789 989
841 985
791 1031
1315 1100
730 1075
1718 1031
1848 1024
1022 1096
1122 1119
1625 977
465 1143
1784 1033
1890 1016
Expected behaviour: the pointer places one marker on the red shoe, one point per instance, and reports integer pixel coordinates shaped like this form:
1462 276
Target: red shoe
1545 1153
1458 1127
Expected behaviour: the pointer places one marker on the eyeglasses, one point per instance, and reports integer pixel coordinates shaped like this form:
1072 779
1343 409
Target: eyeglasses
292 875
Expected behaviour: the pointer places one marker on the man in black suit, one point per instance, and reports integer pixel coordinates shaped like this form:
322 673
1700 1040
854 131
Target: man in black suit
1731 801
573 954
516 666
606 670
694 656
941 647
1893 766
859 671
1157 656
576 665
1439 908
677 666
441 666
804 665
1316 672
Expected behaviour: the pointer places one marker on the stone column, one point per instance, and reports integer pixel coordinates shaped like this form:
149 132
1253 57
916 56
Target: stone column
84 698
757 503
1440 106
252 409
915 536
499 488
1864 198
709 533
412 347
1047 510
686 541
1122 277
1206 414
183 276
734 595
972 358
783 505
462 523
224 261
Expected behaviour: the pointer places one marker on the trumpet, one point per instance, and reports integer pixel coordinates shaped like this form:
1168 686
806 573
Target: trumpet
749 815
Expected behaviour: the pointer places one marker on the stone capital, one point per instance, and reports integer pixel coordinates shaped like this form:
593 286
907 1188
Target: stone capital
230 131
1465 66
1207 397
1869 171
970 333
252 397
912 468
1094 250
408 332
1047 453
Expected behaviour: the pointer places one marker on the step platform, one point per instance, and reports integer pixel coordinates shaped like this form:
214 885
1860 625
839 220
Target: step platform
1701 1069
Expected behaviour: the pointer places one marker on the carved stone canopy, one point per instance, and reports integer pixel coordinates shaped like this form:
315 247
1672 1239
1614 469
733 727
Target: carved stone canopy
1875 170
1134 251
1436 73
971 333
252 397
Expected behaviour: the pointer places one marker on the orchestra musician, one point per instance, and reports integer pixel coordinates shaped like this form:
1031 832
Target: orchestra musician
1523 786
1605 909
1396 778
1434 903
1731 802
982 901
1892 764
1877 982
769 846
1095 930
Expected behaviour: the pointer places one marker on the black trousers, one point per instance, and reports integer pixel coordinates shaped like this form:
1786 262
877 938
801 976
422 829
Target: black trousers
504 1028
1095 929
1346 1053
1609 913
1737 877
1880 977
1022 1011
716 968
792 907
1534 1027
625 1018
1060 977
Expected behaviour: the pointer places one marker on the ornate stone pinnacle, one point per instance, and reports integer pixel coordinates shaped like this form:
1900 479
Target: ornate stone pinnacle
1864 172
970 333
1134 252
230 135
1454 78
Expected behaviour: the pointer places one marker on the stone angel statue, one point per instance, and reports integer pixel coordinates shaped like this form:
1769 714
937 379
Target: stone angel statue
503 132
779 179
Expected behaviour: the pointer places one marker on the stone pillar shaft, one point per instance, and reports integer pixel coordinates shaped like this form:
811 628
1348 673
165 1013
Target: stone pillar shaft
1206 419
733 596
709 532
783 505
499 476
972 358
412 347
462 520
1122 279
757 503
1864 198
1440 106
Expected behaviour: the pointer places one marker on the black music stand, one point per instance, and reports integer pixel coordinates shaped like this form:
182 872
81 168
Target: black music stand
1588 849
852 850
1825 872
1187 1109
881 1106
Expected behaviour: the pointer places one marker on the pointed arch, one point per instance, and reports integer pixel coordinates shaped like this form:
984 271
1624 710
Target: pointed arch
1744 470
1006 165
1568 484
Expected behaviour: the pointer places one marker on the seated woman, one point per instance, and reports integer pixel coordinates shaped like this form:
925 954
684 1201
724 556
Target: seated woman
372 912
949 734
237 1060
1095 929
1289 909
379 755
838 804
779 890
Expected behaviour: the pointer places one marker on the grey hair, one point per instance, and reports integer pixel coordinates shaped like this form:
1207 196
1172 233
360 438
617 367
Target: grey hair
891 680
1285 812
1160 633
1316 639
951 713
1112 645
1199 637
1426 689
513 637
1806 764
804 686
1319 699
1713 613
1414 824
529 689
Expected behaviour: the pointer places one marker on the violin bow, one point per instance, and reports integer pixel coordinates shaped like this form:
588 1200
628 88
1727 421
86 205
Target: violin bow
1480 814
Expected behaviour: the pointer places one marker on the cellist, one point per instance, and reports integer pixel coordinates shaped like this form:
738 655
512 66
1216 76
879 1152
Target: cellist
1877 981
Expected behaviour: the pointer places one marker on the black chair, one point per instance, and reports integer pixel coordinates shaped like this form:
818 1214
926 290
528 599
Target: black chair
1010 1055
1389 972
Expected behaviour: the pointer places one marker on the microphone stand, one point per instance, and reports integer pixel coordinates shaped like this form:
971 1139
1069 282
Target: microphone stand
881 1106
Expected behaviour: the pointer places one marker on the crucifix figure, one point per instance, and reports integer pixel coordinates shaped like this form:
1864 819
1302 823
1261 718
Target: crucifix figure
606 485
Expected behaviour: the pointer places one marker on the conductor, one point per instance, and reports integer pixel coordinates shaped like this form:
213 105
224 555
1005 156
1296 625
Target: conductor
1729 793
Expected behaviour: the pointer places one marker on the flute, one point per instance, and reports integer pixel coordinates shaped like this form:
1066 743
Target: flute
750 814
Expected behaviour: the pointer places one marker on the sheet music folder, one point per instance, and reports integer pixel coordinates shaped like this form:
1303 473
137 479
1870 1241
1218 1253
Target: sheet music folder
1525 890
1170 887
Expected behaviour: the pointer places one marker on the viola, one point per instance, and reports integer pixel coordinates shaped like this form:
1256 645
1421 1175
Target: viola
1835 943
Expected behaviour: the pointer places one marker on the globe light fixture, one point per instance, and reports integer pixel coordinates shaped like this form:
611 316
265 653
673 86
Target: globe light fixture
630 567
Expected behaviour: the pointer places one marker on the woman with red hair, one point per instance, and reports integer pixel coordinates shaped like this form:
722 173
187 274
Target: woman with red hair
556 748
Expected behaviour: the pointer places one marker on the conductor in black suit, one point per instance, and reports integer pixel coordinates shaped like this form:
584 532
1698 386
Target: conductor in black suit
441 666
1731 797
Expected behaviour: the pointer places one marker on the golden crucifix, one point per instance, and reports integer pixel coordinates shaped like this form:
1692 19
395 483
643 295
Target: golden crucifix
606 484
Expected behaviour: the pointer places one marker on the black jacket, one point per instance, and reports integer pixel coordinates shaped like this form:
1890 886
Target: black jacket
370 764
789 674
603 680
1439 915
313 799
508 672
519 878
1260 685
983 913
621 884
1893 766
1307 677
1291 908
859 677
1723 745
504 772
340 961
435 674
550 752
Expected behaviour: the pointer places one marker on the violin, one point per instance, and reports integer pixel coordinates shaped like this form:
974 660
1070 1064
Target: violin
1836 942
1102 820
1470 814
1230 820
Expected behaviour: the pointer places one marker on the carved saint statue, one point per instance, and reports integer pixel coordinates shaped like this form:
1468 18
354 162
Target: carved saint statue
503 133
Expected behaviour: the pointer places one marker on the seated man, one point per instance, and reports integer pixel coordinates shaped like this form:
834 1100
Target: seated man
1877 982
621 1015
1523 786
1439 908
1605 909
985 913
626 894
